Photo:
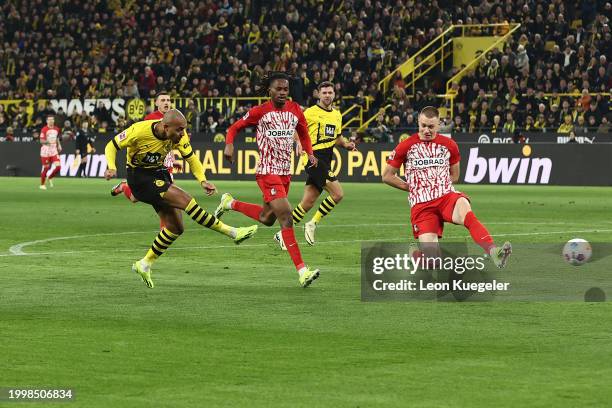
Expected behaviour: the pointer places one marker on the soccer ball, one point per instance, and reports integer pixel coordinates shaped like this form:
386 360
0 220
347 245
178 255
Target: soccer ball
577 251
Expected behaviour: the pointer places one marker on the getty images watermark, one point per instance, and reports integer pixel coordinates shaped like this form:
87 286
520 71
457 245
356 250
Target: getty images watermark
462 272
393 271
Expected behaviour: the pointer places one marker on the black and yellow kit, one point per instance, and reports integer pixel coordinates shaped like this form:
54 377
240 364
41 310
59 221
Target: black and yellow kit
324 127
146 174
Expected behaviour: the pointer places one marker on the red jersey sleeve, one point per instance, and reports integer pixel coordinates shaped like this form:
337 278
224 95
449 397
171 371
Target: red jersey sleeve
302 130
251 118
43 134
398 155
455 156
154 115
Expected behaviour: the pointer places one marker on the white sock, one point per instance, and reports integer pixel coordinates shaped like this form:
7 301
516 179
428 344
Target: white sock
233 232
51 170
302 270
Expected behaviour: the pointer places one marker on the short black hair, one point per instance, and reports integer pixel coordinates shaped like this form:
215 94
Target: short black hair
266 81
273 76
157 95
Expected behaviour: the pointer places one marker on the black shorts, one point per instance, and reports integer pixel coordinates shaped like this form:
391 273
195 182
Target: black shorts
320 175
148 185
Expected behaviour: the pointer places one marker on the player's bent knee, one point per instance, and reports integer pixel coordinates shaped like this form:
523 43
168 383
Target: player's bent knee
268 221
337 198
309 202
462 207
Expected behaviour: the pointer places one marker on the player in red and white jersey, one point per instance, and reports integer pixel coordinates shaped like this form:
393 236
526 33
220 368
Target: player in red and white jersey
276 122
431 163
49 152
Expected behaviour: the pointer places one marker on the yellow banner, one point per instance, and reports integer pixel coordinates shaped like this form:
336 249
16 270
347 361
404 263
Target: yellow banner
466 49
11 107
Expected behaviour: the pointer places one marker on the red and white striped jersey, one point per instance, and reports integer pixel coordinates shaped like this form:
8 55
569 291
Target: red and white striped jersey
426 165
275 130
49 136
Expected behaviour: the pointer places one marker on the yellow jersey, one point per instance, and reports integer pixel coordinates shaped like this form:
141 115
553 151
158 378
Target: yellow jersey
146 151
324 126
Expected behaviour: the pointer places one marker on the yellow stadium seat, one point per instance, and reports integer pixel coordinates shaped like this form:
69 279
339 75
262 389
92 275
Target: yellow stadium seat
549 45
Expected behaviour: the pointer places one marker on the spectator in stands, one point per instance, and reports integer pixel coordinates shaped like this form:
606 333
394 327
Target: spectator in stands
458 125
567 125
510 124
218 48
210 127
381 132
592 124
580 127
604 127
483 124
3 123
521 62
540 123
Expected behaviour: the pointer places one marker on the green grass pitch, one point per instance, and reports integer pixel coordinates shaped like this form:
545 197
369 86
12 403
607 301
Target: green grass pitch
229 326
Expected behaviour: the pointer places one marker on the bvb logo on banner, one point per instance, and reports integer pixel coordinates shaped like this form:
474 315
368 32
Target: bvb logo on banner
135 109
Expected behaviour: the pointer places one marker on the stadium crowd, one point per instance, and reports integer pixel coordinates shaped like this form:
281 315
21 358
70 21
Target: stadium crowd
64 49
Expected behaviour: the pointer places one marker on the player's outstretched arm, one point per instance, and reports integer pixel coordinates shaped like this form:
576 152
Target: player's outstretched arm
304 137
110 151
195 166
454 172
348 145
391 178
249 119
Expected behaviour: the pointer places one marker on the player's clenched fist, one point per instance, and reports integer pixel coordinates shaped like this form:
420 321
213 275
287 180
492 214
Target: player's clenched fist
313 160
110 173
209 188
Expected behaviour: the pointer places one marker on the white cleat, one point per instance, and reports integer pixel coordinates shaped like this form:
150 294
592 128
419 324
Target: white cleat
278 238
42 187
501 255
309 232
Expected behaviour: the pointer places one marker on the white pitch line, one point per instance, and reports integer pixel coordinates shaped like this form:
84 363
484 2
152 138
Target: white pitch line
261 245
17 249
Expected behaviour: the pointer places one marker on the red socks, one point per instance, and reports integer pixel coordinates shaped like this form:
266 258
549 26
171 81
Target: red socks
479 233
253 211
43 175
127 191
55 171
292 247
248 209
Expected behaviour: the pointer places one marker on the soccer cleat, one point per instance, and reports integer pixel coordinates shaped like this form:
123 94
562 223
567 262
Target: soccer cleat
50 183
224 205
309 232
501 255
42 187
278 237
118 189
244 233
145 273
308 276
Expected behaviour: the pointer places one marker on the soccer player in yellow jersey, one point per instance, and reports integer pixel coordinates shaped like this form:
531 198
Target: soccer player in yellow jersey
148 142
324 127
